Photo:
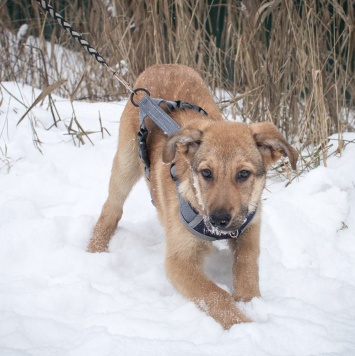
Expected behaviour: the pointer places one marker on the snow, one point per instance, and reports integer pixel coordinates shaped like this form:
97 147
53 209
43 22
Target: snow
58 299
22 32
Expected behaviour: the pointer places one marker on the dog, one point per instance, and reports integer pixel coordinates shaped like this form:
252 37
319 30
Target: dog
221 168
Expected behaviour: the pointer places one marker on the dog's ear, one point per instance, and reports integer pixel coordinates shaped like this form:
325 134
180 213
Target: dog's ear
272 145
185 141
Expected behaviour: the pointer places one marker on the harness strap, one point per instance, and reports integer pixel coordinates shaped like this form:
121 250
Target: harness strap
175 105
149 107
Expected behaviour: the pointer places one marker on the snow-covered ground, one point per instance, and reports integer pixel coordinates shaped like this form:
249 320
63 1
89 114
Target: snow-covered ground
58 299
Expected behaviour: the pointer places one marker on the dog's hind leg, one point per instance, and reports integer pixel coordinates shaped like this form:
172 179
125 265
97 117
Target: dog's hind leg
125 173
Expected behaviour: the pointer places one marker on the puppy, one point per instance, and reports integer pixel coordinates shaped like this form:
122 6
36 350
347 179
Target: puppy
221 168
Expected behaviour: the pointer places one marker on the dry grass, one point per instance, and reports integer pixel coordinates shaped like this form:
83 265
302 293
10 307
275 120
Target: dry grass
289 62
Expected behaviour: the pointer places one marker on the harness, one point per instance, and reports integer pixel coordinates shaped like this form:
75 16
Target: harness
149 107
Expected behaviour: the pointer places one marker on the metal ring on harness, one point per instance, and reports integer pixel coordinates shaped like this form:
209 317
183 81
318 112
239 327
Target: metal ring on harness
135 92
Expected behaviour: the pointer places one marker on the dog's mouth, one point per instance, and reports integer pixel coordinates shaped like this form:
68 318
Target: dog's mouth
231 229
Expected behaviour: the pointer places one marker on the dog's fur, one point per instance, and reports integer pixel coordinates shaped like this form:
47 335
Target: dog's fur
203 143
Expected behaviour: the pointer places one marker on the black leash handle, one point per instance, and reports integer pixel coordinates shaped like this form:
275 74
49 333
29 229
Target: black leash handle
79 38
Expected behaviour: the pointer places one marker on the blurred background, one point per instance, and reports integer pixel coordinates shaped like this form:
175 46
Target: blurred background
289 62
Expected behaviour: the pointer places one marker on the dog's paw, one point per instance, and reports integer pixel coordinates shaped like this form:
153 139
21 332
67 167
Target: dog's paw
96 246
237 318
245 296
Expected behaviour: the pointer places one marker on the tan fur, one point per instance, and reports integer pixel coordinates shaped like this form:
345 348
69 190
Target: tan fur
204 142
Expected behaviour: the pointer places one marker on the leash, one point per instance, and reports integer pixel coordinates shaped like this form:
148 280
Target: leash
79 38
150 107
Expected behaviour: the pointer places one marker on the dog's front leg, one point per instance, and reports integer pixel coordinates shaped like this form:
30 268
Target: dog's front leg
245 266
125 173
184 265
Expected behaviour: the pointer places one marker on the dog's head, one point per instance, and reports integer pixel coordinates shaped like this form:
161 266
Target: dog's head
222 168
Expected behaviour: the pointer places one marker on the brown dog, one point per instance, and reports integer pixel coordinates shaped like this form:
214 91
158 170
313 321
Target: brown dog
221 167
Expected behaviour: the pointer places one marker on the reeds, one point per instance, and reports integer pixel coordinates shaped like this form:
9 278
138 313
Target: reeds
289 62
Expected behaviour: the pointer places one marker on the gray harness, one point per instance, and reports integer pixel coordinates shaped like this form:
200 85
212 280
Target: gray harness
149 107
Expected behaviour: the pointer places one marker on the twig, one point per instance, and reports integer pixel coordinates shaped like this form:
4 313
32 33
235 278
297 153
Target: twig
46 91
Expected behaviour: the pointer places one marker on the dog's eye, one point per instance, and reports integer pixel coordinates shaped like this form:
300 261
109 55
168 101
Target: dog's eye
243 175
206 173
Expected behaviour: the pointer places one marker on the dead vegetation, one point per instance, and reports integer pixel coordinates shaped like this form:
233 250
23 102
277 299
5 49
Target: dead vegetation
289 62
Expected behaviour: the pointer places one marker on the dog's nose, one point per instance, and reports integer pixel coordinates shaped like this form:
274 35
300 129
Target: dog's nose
220 219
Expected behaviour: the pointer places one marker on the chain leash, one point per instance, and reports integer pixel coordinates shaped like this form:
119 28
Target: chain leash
79 38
